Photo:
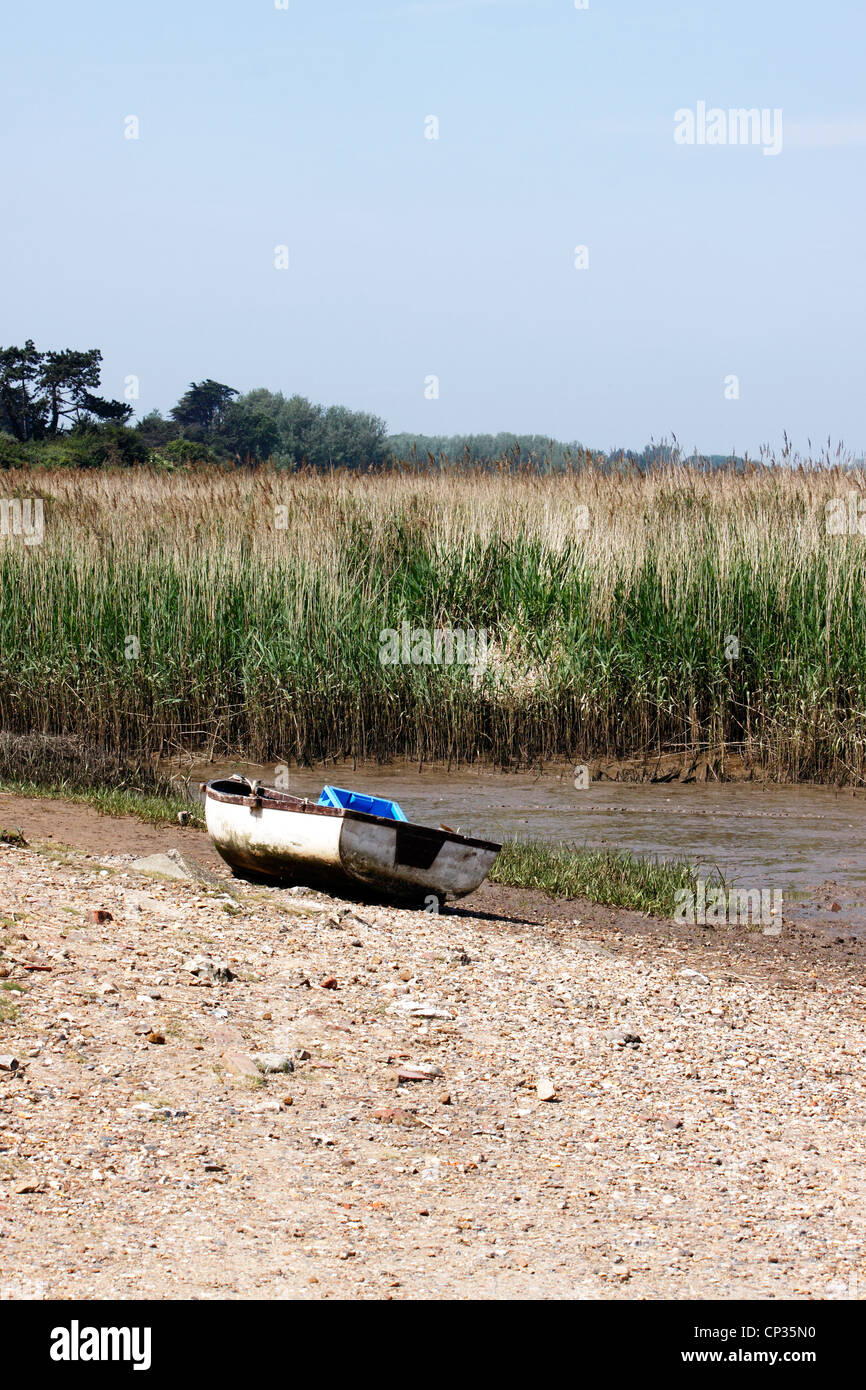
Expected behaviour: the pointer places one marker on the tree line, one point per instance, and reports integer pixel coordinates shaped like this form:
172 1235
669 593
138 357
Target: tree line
50 414
214 422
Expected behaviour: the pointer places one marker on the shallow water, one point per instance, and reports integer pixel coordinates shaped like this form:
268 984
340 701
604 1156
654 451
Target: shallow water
791 838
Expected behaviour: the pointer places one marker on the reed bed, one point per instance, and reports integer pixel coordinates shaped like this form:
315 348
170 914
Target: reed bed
628 615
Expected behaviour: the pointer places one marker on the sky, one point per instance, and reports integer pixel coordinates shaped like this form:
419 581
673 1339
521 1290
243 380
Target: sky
435 281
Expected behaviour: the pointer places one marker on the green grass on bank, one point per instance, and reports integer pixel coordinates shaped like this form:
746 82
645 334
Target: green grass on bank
151 807
612 877
111 801
68 769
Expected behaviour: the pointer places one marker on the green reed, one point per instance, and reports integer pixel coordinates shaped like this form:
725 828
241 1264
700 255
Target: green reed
680 613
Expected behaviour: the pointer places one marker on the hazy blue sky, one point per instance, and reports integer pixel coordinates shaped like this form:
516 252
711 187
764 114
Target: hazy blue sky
305 127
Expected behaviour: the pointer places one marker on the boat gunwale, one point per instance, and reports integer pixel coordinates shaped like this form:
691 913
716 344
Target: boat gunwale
276 800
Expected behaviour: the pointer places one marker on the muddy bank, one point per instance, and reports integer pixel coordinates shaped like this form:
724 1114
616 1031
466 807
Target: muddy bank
85 829
654 768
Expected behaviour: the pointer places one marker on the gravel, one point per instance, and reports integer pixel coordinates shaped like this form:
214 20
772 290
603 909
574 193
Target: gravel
551 1109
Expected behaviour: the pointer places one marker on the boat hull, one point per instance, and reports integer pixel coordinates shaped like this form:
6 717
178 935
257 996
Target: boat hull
265 833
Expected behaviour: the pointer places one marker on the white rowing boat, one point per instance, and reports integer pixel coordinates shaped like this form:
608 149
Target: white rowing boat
265 833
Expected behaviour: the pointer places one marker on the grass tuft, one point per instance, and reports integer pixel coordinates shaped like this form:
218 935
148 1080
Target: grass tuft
611 877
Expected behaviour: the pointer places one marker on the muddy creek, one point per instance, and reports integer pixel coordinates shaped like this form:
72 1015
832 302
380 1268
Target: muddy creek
810 842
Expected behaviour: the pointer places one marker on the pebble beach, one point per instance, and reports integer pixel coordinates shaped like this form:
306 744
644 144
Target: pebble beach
210 1088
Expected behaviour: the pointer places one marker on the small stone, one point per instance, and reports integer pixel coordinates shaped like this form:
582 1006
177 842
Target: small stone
545 1089
406 975
330 982
8 1062
160 866
273 1062
239 1064
445 1098
100 915
207 970
194 870
401 1116
622 1037
155 1038
418 1009
423 1071
225 1036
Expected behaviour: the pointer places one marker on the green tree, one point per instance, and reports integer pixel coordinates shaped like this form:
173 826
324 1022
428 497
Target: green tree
155 430
352 438
248 431
41 392
23 405
66 378
317 437
203 405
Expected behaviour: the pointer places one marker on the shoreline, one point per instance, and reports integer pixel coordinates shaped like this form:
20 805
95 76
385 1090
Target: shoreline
90 832
617 878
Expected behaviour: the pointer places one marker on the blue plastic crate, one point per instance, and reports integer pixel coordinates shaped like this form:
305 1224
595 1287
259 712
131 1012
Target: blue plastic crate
360 801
